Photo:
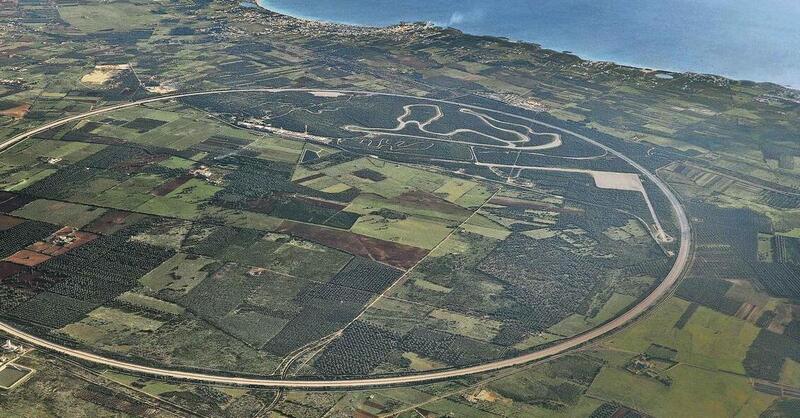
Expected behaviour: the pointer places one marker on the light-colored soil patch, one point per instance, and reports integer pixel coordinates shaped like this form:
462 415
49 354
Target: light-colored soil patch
27 258
16 112
326 94
478 328
145 301
486 395
62 241
104 73
542 233
162 89
420 363
336 188
747 310
617 181
424 284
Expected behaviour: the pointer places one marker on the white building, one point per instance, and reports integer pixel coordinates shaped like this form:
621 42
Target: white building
10 347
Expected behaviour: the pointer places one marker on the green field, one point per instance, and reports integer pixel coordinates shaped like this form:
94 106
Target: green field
105 327
179 273
694 393
710 339
182 202
98 17
417 232
59 213
10 376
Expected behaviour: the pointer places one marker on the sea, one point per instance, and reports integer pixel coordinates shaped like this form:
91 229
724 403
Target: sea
756 40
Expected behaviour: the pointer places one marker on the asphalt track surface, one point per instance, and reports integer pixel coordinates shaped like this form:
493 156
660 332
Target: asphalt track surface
518 145
562 346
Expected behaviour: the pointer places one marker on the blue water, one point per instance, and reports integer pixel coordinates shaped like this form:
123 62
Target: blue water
742 39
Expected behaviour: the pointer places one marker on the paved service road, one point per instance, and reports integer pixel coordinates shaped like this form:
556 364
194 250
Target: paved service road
567 344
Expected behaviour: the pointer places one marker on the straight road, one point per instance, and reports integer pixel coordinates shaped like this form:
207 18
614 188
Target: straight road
565 345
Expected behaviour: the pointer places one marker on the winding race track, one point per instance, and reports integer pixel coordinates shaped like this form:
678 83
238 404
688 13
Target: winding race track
518 144
652 299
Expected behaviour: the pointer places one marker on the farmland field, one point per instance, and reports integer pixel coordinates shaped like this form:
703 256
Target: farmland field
11 375
188 248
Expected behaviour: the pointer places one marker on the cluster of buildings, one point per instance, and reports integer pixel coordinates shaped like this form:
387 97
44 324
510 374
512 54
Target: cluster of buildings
8 350
10 347
279 23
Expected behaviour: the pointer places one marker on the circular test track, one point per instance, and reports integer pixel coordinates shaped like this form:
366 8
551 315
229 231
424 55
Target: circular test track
662 290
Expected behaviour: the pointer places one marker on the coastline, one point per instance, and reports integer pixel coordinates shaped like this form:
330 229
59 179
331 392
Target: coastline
523 42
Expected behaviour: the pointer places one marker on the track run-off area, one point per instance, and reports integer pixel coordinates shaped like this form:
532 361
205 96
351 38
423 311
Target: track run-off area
662 290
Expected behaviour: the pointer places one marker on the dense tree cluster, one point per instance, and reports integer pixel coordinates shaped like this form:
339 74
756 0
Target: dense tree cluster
21 235
547 282
358 351
767 354
451 349
311 324
364 274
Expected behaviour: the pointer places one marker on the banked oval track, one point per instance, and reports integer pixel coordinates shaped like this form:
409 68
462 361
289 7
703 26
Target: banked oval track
662 290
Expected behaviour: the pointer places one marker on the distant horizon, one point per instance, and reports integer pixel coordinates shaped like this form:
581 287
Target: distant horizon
749 43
